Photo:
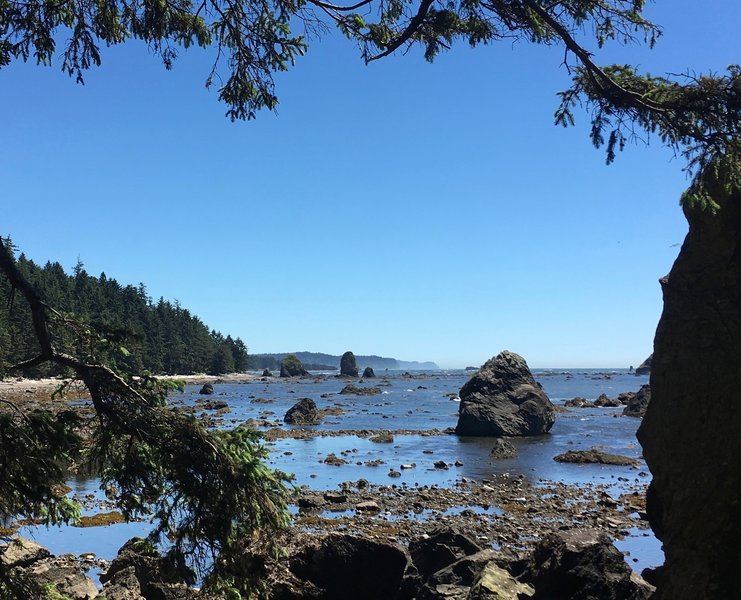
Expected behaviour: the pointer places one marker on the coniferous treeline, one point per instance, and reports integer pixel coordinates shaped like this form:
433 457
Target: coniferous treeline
141 335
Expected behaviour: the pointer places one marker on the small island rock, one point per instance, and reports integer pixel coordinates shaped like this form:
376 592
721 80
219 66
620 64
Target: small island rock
291 366
503 399
354 390
304 412
368 373
503 449
348 365
267 373
207 389
645 367
595 456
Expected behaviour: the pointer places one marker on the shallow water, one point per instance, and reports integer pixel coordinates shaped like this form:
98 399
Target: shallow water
413 404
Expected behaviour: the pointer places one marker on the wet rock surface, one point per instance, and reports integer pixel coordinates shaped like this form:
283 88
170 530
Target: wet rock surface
503 399
354 390
207 389
502 449
595 456
368 373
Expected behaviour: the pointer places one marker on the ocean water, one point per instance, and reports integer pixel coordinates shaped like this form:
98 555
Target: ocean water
422 402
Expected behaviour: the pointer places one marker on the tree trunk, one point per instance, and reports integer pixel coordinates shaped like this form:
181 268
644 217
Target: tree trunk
691 434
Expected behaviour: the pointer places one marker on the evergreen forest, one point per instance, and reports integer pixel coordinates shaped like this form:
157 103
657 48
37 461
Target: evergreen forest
138 334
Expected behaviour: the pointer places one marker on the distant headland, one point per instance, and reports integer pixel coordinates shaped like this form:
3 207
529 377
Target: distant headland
318 361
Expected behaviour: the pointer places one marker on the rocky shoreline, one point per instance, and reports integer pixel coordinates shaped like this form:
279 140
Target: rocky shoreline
507 518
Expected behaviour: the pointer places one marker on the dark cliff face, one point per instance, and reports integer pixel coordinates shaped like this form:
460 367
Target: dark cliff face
691 434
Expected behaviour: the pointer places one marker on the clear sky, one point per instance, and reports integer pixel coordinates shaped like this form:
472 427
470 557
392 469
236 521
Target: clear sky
424 212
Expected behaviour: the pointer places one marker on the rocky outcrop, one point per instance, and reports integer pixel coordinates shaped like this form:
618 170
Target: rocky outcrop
354 390
267 373
503 399
582 564
304 412
140 569
368 373
636 403
291 366
595 456
602 401
645 367
28 570
442 548
690 433
348 365
207 389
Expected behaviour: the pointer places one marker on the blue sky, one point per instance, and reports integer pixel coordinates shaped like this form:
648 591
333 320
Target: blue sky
425 212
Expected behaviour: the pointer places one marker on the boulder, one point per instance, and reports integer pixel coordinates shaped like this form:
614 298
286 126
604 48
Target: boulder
207 389
348 365
267 373
503 399
28 570
502 449
155 575
291 366
21 553
645 367
442 548
690 433
368 373
582 564
463 571
346 566
637 403
304 412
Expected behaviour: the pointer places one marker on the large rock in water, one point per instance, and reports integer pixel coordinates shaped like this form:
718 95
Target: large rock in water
291 366
503 399
691 432
304 412
348 365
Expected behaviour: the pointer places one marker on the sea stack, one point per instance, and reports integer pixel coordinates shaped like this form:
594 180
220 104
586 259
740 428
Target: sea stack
291 366
348 365
503 399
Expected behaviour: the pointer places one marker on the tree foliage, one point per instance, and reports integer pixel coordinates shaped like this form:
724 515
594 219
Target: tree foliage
698 116
134 333
205 491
